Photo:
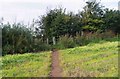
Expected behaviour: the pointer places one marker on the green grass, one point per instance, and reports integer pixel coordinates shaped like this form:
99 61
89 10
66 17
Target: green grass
26 65
93 60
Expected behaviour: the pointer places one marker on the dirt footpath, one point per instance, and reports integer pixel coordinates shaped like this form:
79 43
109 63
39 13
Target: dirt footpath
56 71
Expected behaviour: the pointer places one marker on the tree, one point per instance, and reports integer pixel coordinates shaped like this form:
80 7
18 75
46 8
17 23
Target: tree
91 16
111 20
16 38
57 23
46 23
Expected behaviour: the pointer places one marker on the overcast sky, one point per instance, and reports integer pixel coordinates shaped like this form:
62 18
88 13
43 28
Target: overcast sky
27 10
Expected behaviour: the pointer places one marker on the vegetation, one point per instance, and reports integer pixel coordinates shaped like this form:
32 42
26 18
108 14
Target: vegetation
26 65
78 40
74 29
93 18
17 38
91 34
94 60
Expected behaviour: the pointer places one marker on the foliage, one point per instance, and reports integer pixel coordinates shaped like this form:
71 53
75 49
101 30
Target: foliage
91 15
19 39
57 23
78 40
93 18
66 42
94 21
111 20
16 38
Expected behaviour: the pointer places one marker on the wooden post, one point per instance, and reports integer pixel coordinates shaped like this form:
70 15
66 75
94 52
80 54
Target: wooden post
81 33
47 41
54 41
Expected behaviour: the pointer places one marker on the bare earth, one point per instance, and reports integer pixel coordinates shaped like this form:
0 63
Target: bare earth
56 71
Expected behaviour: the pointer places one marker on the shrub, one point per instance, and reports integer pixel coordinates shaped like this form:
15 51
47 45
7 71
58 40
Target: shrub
7 49
107 34
44 47
66 42
81 40
93 37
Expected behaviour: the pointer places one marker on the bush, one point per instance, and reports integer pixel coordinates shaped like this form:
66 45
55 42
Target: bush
107 34
66 42
93 37
7 49
16 38
81 40
39 45
44 47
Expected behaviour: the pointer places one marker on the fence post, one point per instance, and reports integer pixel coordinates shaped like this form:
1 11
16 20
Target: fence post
54 42
82 33
47 40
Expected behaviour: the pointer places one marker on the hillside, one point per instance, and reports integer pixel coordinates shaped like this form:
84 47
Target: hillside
26 65
94 60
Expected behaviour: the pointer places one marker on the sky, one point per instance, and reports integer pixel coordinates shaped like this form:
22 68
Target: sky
27 10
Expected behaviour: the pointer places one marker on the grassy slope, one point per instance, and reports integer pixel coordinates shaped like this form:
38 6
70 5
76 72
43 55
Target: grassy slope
92 60
95 60
26 65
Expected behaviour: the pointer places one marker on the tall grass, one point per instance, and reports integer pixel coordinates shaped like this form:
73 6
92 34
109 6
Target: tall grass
65 42
82 40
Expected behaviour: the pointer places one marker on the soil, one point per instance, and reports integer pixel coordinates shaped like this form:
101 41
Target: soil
56 70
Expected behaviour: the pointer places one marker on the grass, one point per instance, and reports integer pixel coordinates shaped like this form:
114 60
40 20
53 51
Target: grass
93 60
26 65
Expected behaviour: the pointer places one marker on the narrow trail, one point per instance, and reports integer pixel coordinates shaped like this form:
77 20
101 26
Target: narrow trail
56 71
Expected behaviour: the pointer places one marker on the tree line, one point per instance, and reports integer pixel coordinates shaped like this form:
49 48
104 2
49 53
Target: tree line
94 19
